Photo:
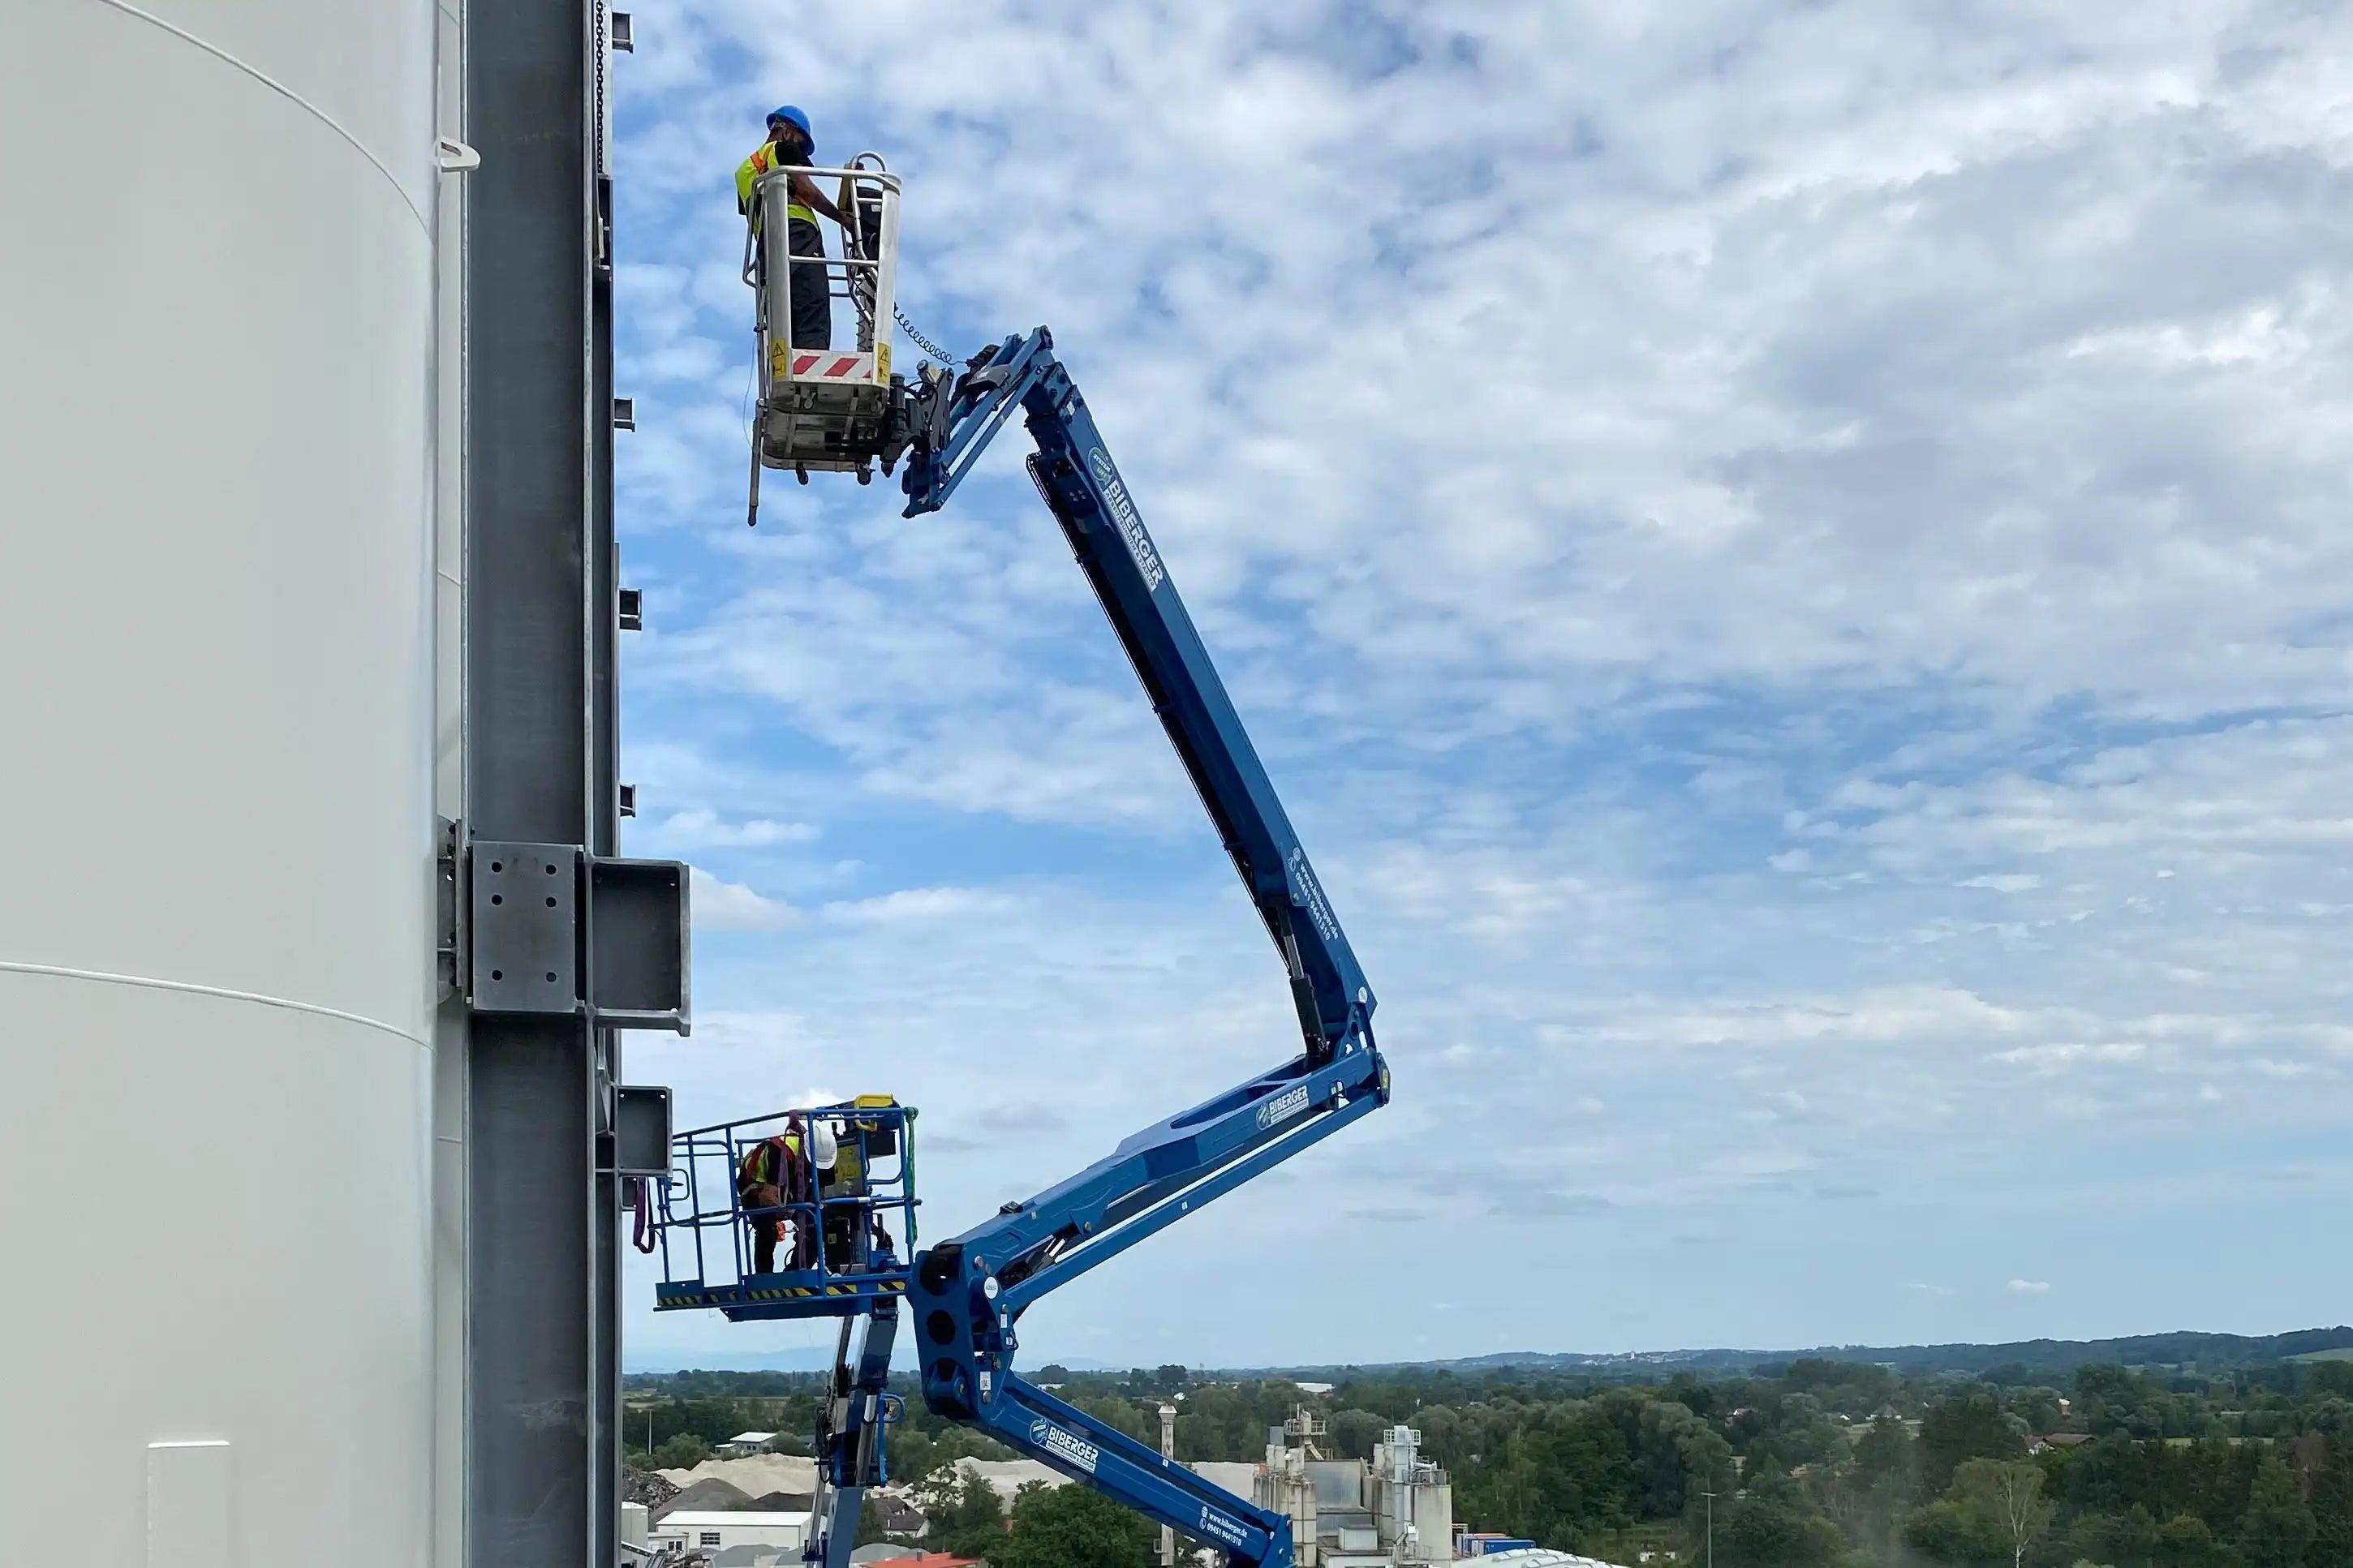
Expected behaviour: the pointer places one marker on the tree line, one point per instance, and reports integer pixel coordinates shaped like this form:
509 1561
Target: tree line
1813 1464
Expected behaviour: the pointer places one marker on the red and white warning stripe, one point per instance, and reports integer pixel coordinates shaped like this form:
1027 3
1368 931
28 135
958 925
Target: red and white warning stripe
833 367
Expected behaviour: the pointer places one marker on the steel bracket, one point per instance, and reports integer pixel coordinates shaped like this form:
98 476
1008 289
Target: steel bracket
449 909
550 929
639 1145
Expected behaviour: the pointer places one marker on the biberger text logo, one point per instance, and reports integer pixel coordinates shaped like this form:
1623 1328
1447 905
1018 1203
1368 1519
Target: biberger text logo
1282 1107
1123 516
1052 1438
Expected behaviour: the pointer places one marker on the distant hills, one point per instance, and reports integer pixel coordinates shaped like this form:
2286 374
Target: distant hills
2037 1358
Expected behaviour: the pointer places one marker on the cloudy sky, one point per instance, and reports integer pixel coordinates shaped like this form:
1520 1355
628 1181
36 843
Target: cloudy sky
1789 558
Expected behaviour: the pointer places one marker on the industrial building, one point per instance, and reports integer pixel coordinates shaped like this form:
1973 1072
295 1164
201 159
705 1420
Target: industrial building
1393 1511
1396 1510
780 1535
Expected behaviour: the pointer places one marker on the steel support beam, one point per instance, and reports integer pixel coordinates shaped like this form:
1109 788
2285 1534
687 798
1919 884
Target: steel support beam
543 1291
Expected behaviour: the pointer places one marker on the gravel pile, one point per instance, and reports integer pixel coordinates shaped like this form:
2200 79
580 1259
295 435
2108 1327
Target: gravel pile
1010 1476
653 1492
756 1475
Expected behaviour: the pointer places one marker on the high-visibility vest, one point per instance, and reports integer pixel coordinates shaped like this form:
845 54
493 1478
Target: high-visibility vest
770 1162
764 159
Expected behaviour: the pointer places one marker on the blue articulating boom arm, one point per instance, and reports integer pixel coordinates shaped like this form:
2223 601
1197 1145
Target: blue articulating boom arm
968 1294
851 1435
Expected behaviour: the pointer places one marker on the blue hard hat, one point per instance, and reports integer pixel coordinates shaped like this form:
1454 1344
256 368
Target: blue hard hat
792 116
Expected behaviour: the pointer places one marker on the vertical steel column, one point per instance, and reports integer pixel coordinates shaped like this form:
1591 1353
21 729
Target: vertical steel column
604 729
542 1448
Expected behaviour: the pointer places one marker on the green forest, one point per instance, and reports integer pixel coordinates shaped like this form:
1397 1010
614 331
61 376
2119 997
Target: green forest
1813 1463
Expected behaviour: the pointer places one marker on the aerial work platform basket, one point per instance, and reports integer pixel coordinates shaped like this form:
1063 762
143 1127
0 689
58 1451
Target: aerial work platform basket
826 405
848 1233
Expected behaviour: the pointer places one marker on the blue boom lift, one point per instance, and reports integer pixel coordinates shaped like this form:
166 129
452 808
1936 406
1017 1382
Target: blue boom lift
965 1297
968 1294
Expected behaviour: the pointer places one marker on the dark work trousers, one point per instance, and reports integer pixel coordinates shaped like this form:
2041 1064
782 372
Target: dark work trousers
765 1226
841 1236
812 299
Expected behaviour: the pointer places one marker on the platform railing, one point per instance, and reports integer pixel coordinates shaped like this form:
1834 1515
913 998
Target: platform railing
700 1197
866 273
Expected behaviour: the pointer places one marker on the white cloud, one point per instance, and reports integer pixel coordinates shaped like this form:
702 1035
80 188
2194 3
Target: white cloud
705 829
2072 1052
2008 883
720 905
1888 1016
914 905
2029 1287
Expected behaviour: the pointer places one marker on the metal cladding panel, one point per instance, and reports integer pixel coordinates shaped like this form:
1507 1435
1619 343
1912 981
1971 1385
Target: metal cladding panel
217 956
356 65
220 1235
214 456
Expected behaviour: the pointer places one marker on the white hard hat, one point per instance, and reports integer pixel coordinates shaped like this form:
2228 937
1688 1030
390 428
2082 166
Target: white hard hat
824 1152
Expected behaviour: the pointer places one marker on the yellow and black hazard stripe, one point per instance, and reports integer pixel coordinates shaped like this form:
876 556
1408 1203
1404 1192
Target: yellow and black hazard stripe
780 1293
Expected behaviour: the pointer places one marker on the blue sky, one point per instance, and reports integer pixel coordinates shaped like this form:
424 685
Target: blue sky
1786 559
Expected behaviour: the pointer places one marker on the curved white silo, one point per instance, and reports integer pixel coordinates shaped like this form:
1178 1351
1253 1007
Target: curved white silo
215 694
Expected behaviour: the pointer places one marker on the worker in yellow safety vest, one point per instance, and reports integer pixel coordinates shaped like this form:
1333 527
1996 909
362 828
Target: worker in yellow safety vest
774 1173
791 146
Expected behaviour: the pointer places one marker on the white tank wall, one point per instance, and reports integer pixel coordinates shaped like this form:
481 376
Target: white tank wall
215 968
